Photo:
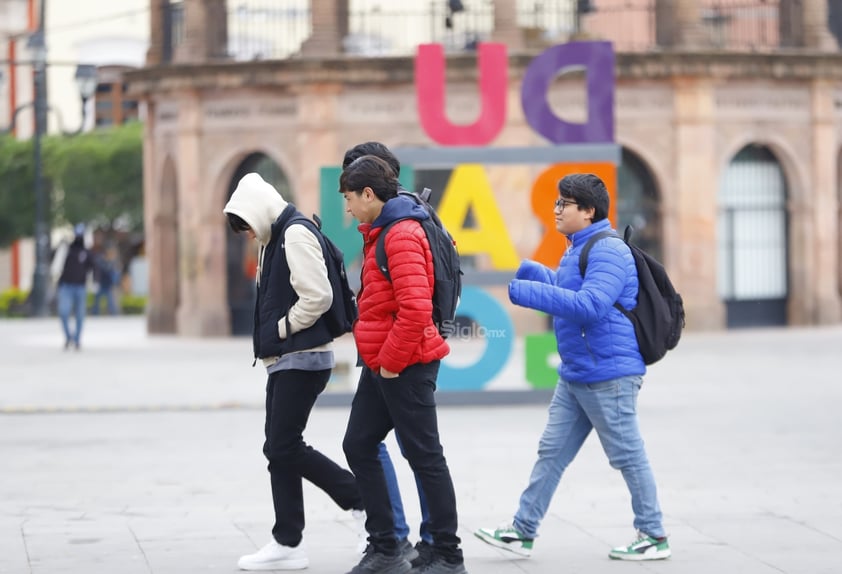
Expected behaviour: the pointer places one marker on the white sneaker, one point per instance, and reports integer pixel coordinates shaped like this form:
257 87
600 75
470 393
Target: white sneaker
276 556
362 534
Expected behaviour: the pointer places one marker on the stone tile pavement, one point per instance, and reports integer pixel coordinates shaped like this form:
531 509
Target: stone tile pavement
142 455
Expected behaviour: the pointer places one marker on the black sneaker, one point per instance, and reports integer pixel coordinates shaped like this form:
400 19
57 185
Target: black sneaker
423 554
440 566
378 563
406 550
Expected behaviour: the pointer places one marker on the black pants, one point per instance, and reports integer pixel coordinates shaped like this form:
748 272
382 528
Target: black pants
290 396
406 404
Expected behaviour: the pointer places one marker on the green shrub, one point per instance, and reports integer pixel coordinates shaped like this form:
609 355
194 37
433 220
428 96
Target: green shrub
132 304
13 302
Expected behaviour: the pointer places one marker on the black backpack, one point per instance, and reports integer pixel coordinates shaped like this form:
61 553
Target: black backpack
446 265
342 314
659 316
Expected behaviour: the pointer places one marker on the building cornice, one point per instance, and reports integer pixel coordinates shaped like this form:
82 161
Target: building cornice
293 73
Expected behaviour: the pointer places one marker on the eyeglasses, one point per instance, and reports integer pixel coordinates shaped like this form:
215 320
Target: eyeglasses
560 204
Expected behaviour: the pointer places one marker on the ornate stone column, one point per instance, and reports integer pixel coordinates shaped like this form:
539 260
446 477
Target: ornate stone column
203 307
678 23
156 32
205 31
330 26
816 30
824 300
506 29
695 168
791 23
157 320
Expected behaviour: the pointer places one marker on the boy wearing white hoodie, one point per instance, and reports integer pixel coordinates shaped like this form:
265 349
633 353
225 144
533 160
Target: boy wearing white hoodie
292 340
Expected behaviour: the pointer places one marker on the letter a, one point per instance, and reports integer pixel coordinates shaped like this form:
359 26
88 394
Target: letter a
469 191
430 91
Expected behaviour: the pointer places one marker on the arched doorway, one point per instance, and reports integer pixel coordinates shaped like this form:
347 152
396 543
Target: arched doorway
161 317
241 258
638 204
752 240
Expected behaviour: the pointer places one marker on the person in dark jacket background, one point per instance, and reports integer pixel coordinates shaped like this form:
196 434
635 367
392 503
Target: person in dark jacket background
294 343
72 291
107 277
401 350
600 374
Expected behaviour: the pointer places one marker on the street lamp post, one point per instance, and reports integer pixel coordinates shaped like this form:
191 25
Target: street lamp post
42 227
86 81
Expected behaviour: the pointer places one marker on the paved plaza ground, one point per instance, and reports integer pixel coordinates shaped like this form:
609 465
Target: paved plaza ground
142 455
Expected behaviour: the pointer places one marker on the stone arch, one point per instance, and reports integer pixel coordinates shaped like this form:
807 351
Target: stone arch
639 203
163 248
240 252
796 164
796 170
230 162
752 239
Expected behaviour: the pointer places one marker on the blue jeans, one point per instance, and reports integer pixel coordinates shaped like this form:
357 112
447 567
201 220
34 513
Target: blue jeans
609 407
72 299
401 527
111 302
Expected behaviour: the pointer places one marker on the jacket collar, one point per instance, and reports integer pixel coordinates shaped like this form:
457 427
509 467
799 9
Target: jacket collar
581 237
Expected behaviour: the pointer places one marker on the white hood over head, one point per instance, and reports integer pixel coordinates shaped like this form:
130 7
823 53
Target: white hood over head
257 203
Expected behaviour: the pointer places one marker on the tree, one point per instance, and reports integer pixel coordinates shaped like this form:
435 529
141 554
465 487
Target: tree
99 178
95 178
17 198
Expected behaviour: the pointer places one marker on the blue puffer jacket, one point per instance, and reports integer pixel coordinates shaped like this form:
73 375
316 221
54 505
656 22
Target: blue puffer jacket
595 341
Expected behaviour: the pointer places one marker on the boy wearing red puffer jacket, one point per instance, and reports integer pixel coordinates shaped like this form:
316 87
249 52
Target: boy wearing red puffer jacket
401 349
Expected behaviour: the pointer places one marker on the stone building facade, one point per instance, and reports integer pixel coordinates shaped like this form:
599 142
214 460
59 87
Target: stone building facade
735 153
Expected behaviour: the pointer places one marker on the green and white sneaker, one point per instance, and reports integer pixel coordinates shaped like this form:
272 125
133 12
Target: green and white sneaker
644 548
506 537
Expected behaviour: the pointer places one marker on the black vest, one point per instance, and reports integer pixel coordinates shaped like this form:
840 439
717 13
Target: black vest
275 296
77 265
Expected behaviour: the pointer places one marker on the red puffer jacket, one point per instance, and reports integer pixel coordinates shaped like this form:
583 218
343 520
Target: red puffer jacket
395 327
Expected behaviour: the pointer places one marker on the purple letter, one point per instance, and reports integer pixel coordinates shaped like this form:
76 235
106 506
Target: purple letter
598 60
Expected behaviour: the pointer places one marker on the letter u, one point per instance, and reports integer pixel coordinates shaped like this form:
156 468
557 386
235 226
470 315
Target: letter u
430 85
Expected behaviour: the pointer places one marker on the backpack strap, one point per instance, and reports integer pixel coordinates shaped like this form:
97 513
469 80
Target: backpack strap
380 249
421 199
314 227
586 250
583 256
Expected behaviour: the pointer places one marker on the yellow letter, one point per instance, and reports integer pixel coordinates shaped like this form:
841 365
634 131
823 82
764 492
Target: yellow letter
468 189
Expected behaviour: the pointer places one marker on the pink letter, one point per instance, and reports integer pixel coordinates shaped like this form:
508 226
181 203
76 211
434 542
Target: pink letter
430 89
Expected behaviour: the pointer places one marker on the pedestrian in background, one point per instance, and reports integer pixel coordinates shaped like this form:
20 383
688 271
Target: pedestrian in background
72 286
292 339
107 277
600 373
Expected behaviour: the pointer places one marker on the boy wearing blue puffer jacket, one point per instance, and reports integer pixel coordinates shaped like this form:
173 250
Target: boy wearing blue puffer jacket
600 373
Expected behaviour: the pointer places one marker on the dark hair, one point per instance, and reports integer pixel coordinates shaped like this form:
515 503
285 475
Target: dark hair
237 223
587 190
370 171
372 148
